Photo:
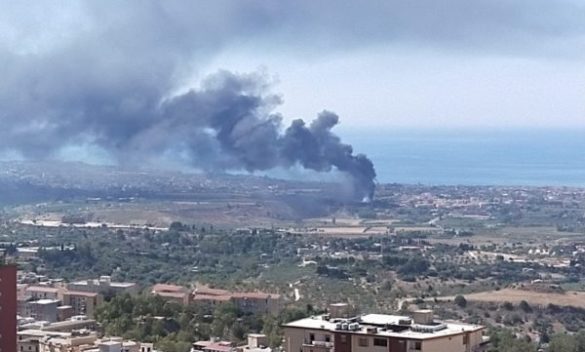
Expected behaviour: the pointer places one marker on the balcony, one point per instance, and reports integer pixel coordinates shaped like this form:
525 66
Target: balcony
317 346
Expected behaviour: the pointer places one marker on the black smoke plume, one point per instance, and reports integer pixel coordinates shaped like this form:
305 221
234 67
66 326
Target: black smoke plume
112 84
229 124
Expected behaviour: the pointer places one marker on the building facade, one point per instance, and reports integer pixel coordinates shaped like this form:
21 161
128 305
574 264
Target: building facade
103 285
82 303
247 302
381 333
8 306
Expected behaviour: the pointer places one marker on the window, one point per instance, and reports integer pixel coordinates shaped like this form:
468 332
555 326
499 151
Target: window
327 338
363 342
311 337
465 339
418 345
380 342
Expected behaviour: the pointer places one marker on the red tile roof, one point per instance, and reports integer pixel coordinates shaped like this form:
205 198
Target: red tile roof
218 346
158 288
223 298
206 290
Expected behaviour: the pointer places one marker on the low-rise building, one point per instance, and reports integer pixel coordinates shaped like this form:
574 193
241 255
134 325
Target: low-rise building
174 293
64 313
44 309
256 343
83 303
51 341
213 346
381 333
42 292
248 302
104 285
257 302
76 341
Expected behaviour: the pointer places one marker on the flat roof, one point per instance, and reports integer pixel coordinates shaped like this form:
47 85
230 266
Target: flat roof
376 320
382 319
111 343
80 293
69 324
97 282
42 289
47 301
41 333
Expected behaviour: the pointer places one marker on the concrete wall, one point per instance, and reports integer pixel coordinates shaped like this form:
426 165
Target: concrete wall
444 344
475 338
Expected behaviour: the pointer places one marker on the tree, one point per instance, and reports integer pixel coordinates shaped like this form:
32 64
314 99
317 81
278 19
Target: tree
505 341
563 343
460 301
525 307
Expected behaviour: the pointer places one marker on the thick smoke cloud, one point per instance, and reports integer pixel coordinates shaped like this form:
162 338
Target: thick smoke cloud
106 73
228 123
113 84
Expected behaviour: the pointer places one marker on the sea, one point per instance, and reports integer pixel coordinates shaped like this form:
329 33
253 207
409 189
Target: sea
517 157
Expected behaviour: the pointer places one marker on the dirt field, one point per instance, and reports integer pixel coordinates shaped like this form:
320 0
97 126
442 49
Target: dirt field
570 298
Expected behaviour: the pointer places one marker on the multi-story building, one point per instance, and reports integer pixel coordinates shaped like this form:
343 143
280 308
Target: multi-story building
174 293
381 333
257 302
76 341
103 285
42 292
64 313
211 297
8 306
248 302
44 309
83 303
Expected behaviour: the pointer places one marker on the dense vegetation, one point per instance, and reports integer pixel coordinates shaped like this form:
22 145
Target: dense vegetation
173 327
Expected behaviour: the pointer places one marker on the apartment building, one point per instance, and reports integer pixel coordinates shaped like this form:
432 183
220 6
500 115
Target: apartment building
382 333
43 310
8 306
173 293
42 292
82 303
257 302
103 285
248 302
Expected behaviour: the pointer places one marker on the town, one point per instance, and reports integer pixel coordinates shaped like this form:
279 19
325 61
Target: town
500 265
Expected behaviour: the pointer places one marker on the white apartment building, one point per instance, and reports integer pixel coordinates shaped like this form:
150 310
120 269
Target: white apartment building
382 333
